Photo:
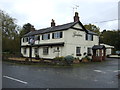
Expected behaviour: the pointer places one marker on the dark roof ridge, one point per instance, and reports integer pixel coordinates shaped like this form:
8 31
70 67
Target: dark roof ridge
58 28
52 29
59 25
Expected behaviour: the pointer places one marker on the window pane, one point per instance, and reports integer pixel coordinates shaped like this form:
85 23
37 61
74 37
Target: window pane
78 51
24 50
57 35
23 40
45 50
89 51
60 34
36 50
45 36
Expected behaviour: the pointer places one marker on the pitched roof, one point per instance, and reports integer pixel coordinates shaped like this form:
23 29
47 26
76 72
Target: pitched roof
90 32
56 28
51 29
107 46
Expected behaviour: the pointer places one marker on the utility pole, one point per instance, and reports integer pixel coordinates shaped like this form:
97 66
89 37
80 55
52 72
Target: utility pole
31 42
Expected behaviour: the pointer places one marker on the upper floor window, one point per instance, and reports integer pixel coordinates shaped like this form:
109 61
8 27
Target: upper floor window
57 35
89 37
37 37
45 36
25 39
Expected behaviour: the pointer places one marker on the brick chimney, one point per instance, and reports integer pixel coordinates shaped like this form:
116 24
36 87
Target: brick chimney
52 23
76 17
32 28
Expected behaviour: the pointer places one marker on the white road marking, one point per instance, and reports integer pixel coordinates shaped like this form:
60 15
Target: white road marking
15 79
95 80
100 71
97 70
116 71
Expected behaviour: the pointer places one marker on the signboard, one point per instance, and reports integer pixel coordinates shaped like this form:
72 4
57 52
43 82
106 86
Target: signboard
76 34
31 40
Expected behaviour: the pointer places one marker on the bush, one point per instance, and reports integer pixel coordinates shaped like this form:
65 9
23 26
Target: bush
37 56
58 58
69 59
76 60
85 59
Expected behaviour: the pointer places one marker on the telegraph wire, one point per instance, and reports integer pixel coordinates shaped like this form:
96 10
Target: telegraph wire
107 21
104 21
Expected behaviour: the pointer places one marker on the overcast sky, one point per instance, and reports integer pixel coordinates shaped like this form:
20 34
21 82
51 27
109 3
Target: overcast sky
40 12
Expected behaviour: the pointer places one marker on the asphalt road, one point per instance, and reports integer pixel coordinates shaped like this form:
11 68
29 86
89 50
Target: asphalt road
94 75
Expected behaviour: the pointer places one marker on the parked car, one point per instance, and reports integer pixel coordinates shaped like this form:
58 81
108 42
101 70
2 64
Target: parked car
118 53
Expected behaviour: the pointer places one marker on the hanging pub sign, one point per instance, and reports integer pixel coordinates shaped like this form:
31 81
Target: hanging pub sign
31 40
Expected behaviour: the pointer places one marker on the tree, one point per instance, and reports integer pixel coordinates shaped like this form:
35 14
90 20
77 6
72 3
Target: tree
111 38
25 29
93 28
10 34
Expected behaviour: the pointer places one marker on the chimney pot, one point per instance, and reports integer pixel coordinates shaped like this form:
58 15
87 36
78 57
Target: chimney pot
32 28
76 17
53 23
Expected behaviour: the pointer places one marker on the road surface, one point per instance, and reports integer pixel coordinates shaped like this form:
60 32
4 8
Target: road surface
93 75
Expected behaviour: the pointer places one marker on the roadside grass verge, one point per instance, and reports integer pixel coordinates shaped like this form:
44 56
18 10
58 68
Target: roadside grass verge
48 64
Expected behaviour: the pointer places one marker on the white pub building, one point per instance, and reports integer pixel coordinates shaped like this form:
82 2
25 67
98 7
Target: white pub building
59 40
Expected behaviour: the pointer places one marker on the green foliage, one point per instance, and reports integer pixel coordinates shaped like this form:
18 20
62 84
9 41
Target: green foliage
25 29
111 38
93 28
10 36
37 56
86 59
59 58
69 59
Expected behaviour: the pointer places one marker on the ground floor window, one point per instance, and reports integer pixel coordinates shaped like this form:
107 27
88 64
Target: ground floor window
36 51
24 50
45 50
89 51
78 51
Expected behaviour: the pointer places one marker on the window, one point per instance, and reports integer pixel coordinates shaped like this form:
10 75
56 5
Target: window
58 48
57 35
38 38
89 51
45 50
89 37
25 39
45 36
36 51
78 51
24 51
